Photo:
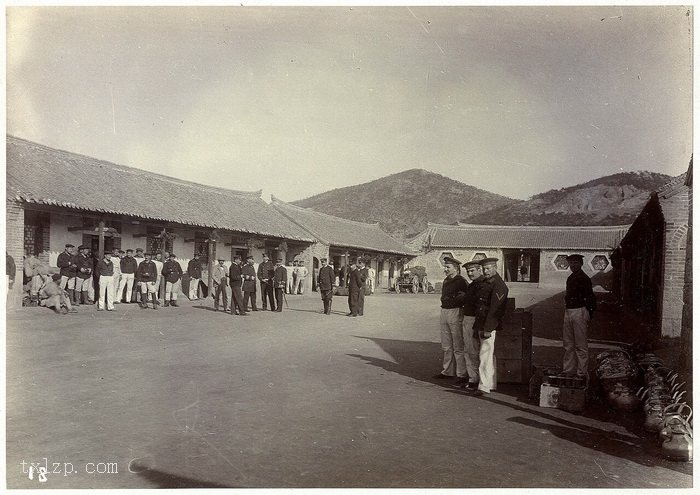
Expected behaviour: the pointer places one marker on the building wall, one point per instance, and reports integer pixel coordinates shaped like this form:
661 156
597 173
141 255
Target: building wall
675 210
687 315
550 276
14 245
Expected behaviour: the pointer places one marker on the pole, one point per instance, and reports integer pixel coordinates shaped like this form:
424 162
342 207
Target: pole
210 255
101 240
163 239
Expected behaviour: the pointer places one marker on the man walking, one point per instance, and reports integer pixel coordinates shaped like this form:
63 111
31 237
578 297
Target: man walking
146 274
580 304
105 272
454 288
249 284
491 307
280 282
172 271
326 280
128 266
266 272
472 342
194 271
218 277
235 280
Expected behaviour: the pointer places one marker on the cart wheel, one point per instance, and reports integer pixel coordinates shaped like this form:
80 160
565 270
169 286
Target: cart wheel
414 287
425 285
397 287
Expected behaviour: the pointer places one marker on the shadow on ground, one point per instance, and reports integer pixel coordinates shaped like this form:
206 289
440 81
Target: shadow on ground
167 480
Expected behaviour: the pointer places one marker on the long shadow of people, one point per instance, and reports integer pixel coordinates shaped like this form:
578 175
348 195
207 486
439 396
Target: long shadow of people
168 480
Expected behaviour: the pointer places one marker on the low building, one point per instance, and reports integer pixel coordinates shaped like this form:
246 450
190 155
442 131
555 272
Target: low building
534 255
651 260
341 240
56 197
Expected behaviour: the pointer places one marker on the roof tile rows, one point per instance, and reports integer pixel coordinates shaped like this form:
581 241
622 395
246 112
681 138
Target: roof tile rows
520 237
38 174
341 232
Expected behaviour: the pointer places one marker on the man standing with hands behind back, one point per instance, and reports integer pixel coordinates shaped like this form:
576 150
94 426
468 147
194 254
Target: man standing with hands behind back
454 288
326 280
580 304
266 272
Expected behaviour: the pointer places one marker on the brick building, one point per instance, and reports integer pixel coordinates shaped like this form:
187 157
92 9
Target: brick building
341 240
651 260
530 255
55 197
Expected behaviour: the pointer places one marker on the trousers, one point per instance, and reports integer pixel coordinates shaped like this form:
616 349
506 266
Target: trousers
575 337
106 292
452 342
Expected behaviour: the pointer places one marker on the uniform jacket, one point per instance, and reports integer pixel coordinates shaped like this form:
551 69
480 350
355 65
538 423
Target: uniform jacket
172 271
326 278
128 264
147 272
218 274
280 277
194 268
579 292
248 278
266 270
357 279
471 296
105 268
84 265
235 275
453 291
65 263
491 304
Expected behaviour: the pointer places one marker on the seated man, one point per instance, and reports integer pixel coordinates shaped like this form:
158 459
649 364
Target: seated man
52 296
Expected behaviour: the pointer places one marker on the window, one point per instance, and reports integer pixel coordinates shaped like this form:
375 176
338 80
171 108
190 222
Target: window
154 242
560 262
479 256
445 254
600 262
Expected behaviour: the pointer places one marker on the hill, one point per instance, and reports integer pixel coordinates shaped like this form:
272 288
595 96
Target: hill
611 200
405 202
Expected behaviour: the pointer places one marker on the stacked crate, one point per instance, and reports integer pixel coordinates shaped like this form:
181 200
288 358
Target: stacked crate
514 346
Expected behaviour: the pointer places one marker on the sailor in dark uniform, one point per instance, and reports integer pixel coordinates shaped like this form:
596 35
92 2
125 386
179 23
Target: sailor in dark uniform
235 280
580 304
249 284
326 280
279 282
266 272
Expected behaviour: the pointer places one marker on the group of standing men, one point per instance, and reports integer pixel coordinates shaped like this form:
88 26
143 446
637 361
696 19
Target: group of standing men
471 315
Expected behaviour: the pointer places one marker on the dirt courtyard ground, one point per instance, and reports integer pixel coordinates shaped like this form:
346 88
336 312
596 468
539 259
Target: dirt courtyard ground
187 397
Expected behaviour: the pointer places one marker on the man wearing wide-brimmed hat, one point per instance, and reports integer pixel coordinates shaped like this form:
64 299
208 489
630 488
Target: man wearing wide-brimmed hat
454 287
580 304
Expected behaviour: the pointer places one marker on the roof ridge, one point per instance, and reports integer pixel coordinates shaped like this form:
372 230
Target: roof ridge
275 199
137 171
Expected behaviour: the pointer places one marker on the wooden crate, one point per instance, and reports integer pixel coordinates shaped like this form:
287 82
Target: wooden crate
514 346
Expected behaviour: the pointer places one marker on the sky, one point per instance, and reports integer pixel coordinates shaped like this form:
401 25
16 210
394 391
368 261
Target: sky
296 101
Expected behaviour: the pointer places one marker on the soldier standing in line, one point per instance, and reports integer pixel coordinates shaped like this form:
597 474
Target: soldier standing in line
218 277
146 275
116 259
172 271
65 263
472 343
326 281
580 304
491 307
136 293
84 274
454 288
194 271
235 280
266 272
279 282
105 272
249 284
128 266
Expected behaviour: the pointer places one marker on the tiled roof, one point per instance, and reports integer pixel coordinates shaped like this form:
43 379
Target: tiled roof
519 237
341 232
673 187
38 174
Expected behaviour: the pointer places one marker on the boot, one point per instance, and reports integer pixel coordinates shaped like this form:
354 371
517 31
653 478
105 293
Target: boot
166 303
74 294
173 303
83 297
155 301
330 305
325 307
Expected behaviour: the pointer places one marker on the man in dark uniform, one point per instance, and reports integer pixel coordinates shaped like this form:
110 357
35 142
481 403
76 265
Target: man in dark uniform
136 292
353 285
68 270
326 280
194 271
472 343
279 282
84 274
128 266
266 272
362 274
580 304
235 280
172 271
147 274
454 287
491 303
249 284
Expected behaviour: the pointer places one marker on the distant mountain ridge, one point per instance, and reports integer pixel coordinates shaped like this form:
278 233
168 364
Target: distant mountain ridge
405 202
